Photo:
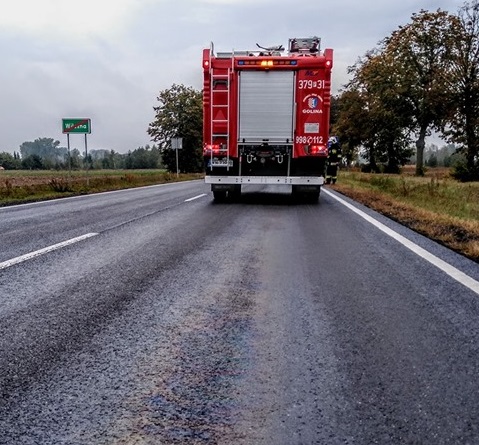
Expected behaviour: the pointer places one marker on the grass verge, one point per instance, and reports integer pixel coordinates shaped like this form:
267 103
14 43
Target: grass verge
29 186
435 205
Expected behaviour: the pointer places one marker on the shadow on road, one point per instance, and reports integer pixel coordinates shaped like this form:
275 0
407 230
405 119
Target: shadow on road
265 198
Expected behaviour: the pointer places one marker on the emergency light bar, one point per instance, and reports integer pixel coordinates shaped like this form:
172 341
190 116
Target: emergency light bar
263 62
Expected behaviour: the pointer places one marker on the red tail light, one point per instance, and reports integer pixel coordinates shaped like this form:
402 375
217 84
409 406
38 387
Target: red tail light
209 149
318 150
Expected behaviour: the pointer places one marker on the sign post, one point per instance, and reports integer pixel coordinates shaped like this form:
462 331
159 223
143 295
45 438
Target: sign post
176 144
77 126
69 156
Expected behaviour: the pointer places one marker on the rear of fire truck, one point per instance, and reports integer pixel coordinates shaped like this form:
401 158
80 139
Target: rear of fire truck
266 117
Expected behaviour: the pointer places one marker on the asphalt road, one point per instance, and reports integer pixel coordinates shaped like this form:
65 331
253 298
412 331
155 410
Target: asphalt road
177 320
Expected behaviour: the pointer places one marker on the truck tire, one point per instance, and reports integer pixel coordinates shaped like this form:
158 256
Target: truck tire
219 196
235 194
313 197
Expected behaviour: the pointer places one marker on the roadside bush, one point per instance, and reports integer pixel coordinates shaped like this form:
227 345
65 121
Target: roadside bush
60 185
366 168
7 191
463 173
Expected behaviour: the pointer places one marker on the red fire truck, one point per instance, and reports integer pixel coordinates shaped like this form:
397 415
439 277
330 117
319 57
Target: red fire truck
266 117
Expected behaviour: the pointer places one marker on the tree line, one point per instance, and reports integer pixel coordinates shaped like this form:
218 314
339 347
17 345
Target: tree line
424 77
47 154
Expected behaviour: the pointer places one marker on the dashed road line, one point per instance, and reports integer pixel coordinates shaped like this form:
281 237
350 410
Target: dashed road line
195 197
29 256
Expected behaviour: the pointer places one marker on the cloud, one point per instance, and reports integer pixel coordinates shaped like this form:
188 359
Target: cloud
238 2
72 20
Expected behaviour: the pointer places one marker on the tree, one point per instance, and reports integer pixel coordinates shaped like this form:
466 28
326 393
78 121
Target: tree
350 122
462 122
432 161
74 160
9 161
143 157
112 160
180 114
46 149
372 113
421 54
334 112
32 162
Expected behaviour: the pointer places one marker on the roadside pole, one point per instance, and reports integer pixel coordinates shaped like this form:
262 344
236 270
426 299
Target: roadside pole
86 158
177 144
177 167
69 157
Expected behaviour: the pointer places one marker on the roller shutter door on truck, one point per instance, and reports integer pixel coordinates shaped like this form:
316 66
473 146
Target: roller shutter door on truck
266 106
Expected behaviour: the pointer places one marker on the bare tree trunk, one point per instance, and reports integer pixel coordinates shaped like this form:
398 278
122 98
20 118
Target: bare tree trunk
372 161
420 144
471 143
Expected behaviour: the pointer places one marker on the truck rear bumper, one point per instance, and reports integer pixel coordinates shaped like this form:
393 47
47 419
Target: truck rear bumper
287 180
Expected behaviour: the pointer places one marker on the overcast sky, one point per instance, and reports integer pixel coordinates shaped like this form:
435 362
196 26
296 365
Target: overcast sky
108 59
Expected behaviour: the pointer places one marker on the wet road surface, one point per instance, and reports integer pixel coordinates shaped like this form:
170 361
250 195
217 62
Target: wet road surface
259 322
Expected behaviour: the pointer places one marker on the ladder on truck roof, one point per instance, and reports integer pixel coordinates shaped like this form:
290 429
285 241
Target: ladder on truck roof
220 109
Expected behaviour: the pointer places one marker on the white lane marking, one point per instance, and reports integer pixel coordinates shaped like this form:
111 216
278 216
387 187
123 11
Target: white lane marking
31 255
459 276
195 197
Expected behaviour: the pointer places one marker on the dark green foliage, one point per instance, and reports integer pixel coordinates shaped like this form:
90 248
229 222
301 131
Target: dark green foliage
461 124
180 114
44 154
464 173
143 157
32 162
422 53
372 114
432 161
9 161
48 150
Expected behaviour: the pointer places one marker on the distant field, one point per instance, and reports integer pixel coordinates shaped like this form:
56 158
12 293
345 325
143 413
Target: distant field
17 186
26 177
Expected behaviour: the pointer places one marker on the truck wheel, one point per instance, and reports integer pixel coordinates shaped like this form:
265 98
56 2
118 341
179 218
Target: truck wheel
235 194
313 197
295 191
219 196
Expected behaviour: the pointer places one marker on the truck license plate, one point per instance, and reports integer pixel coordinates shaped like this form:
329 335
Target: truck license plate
220 163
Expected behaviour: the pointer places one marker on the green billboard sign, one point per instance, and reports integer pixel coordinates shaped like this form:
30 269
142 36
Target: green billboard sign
76 126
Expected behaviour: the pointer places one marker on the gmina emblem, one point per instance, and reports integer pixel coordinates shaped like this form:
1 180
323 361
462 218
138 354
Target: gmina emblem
312 101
